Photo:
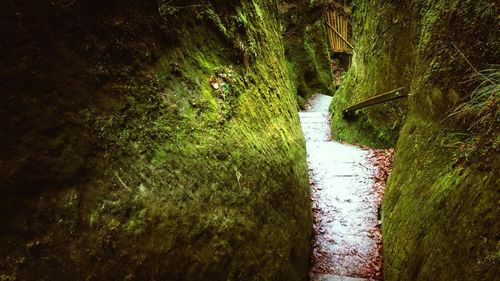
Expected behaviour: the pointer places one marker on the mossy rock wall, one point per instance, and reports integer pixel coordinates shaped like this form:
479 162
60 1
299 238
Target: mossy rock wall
150 144
381 62
439 215
441 206
306 48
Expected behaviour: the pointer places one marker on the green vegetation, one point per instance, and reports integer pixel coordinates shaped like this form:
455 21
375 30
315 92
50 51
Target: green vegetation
181 157
482 107
306 49
377 67
445 209
159 140
439 215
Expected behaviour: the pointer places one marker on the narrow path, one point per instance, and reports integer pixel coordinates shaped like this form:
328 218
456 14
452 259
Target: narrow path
344 203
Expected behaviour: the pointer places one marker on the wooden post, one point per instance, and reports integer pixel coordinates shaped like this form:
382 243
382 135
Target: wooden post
333 34
332 22
347 30
341 23
342 31
344 47
346 35
330 32
337 28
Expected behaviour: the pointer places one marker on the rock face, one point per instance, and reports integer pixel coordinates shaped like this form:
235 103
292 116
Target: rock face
307 52
441 206
121 161
378 66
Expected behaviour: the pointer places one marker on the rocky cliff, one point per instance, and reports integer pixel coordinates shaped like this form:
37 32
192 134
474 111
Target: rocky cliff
149 140
439 216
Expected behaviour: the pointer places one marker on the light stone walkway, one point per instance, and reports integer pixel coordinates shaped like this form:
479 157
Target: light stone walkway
343 201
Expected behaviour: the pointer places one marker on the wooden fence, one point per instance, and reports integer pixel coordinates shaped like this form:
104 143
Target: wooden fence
337 26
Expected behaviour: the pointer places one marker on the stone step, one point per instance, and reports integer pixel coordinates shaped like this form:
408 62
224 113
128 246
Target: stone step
317 114
329 277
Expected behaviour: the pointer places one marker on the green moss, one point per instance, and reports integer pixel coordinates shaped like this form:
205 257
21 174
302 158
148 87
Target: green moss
211 15
377 67
199 169
440 207
446 210
241 19
258 10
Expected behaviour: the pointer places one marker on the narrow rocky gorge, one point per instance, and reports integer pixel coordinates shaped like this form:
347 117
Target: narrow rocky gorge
164 140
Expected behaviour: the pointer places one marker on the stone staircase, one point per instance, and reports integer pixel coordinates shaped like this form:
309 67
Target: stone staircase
342 190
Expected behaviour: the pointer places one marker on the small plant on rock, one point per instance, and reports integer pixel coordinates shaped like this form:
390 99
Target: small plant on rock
481 110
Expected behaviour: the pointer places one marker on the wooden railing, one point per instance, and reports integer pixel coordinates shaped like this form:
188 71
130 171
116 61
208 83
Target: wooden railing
391 95
337 25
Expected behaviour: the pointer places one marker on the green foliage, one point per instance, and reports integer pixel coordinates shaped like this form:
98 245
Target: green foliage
214 18
301 102
196 167
242 20
440 203
209 179
479 115
309 62
441 196
377 67
237 32
482 109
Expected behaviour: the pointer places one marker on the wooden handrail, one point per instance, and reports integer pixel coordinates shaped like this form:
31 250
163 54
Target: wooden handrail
388 96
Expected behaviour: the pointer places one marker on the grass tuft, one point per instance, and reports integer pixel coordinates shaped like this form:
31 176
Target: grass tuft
481 110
